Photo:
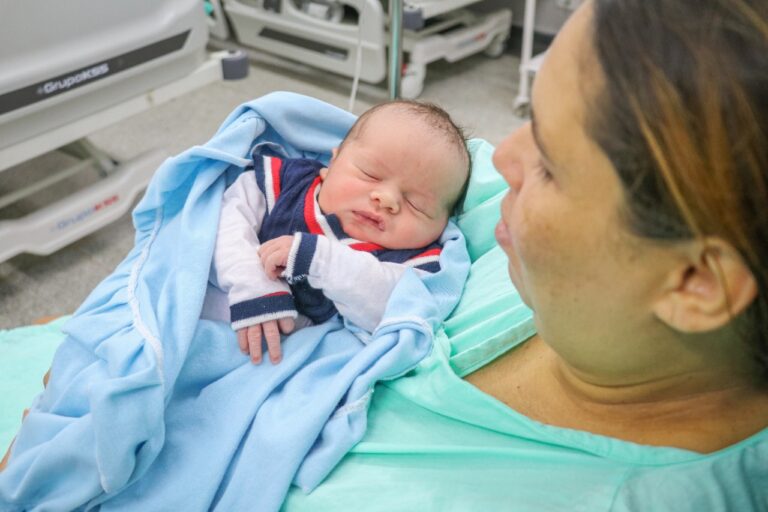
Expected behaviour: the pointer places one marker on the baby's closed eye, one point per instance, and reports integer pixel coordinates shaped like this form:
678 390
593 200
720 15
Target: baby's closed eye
418 207
368 175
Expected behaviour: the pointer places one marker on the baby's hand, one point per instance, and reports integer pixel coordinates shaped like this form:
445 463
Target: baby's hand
250 338
274 255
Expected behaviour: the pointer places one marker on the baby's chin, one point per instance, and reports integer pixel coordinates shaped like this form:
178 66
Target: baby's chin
393 243
364 235
385 239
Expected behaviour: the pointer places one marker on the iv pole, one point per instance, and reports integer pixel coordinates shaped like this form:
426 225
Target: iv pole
395 47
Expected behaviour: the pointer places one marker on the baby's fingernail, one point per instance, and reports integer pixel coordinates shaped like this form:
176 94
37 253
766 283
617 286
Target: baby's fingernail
256 360
275 360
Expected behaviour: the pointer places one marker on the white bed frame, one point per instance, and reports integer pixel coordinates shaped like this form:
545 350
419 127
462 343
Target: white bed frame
63 78
61 223
430 30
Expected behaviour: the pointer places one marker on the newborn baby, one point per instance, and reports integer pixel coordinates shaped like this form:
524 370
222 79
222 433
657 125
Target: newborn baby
299 242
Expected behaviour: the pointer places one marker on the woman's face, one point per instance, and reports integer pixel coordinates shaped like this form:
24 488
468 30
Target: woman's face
586 278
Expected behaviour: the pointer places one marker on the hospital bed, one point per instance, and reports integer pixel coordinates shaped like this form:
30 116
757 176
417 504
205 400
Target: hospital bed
351 37
68 69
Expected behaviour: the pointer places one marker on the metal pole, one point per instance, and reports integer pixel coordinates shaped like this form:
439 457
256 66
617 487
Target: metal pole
395 47
523 95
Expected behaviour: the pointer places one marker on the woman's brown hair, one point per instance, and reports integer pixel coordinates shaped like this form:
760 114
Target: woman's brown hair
683 116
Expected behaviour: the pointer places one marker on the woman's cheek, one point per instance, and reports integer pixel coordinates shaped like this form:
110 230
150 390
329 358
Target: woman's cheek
530 230
535 241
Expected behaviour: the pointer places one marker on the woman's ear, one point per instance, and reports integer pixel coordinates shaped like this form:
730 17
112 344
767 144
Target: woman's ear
707 292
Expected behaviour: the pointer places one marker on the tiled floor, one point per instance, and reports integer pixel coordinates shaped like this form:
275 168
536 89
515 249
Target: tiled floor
478 91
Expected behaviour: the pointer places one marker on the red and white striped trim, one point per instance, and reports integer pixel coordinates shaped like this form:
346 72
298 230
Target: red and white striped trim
313 216
311 209
272 180
318 224
320 218
429 256
362 246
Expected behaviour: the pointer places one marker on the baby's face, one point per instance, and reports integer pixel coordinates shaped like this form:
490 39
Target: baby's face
395 183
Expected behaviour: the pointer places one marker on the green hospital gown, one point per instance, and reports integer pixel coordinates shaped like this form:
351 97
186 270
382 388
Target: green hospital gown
435 442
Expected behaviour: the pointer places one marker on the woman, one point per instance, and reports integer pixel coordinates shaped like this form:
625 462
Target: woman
635 229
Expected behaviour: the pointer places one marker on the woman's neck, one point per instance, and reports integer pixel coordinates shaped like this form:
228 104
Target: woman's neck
697 412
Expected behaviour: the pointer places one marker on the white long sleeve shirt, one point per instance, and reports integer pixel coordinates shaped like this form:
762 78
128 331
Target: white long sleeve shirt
328 271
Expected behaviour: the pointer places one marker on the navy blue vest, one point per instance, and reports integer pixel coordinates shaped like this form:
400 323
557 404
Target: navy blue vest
290 186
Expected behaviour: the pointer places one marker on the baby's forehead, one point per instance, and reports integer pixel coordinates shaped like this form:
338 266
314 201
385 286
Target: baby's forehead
387 116
442 144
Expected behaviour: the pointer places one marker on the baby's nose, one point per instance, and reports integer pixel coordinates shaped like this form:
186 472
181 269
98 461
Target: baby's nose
386 200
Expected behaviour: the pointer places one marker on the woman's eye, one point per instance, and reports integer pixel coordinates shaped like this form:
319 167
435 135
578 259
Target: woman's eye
544 173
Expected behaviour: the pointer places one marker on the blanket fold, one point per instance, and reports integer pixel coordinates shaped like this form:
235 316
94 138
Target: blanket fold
151 408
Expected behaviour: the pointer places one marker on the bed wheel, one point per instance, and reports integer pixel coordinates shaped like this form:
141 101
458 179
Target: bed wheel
497 47
412 83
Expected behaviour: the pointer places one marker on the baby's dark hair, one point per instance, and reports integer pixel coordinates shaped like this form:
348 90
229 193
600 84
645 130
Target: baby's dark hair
435 117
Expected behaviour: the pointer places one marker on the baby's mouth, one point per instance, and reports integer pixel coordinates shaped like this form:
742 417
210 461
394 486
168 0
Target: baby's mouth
370 219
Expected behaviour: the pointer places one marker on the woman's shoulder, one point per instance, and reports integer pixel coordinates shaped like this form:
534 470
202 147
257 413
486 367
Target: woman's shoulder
441 443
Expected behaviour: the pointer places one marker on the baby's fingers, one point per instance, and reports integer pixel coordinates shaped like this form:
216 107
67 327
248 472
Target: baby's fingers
274 264
272 334
286 325
254 343
242 340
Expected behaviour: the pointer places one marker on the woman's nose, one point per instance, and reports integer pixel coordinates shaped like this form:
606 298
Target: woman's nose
510 156
386 200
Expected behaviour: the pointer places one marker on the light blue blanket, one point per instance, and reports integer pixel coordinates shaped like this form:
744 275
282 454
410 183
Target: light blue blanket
150 408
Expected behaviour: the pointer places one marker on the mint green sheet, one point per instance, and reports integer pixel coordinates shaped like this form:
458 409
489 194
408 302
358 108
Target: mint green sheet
25 356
